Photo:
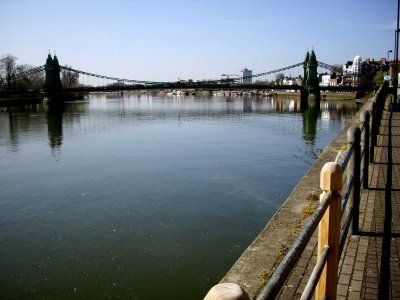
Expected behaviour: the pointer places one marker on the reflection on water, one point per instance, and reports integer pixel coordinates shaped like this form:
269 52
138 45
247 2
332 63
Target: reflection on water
109 197
21 118
54 117
310 117
247 105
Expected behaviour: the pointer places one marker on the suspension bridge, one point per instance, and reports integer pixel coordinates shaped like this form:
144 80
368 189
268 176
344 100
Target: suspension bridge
53 72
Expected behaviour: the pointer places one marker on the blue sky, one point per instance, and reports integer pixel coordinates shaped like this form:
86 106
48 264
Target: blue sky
162 40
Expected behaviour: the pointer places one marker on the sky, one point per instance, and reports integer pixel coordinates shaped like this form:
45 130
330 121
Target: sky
163 40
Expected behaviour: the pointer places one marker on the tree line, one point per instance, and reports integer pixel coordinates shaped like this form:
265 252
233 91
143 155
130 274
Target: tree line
14 77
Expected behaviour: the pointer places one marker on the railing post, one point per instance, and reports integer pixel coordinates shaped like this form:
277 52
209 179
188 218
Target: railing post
381 97
373 135
364 118
353 173
329 231
226 291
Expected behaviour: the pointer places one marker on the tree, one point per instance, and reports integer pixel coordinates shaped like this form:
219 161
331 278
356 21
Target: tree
264 82
378 78
8 69
339 68
19 77
29 80
279 77
69 78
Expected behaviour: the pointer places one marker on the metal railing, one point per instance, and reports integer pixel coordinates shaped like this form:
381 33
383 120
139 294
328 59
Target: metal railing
362 140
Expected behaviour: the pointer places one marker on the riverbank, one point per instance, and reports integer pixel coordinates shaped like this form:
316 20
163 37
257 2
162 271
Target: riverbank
253 269
262 93
20 99
35 98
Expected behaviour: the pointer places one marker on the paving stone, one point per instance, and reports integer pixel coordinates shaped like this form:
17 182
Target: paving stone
344 279
358 275
342 290
356 285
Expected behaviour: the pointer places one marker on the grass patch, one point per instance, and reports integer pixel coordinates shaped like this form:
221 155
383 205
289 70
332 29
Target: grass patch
341 148
311 205
265 276
282 250
295 228
308 210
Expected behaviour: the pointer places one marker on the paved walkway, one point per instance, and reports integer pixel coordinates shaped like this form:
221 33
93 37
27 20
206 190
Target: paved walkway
370 265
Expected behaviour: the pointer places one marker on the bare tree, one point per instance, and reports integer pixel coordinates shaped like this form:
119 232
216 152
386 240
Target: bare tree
69 78
28 80
8 69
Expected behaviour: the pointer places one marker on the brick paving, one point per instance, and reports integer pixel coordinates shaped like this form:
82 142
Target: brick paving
370 264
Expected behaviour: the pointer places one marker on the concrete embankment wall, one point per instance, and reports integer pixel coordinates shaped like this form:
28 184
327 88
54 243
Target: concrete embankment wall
268 249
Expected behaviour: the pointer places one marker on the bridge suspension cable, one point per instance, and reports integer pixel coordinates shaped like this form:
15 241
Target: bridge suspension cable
320 64
329 67
113 78
28 72
268 73
278 70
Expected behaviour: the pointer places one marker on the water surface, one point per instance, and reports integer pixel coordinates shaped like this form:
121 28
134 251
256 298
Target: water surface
127 196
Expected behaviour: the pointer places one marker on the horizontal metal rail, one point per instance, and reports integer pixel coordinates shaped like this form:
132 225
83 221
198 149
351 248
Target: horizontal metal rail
345 230
347 157
315 275
346 194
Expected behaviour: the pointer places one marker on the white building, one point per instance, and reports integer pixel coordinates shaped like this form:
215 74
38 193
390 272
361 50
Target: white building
288 81
246 76
352 71
357 63
353 67
325 80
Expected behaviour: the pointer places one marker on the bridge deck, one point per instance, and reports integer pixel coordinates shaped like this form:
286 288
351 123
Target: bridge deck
370 265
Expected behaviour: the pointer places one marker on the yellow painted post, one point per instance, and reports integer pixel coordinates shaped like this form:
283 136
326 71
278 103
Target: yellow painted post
226 291
329 230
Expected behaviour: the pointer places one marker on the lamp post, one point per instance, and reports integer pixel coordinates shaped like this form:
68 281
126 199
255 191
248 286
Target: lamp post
389 51
387 60
395 66
396 57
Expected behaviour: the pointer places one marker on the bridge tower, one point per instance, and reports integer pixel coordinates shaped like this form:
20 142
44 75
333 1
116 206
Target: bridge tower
52 84
310 81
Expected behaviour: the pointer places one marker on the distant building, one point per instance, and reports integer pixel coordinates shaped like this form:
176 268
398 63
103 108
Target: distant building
353 67
352 71
325 80
335 81
288 81
246 76
329 79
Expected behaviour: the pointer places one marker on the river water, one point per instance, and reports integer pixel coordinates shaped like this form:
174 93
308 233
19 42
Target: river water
127 196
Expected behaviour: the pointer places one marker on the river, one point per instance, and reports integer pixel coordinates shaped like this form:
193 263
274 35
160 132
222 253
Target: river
133 196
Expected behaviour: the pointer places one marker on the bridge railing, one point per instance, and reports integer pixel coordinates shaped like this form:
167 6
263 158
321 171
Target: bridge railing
340 198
